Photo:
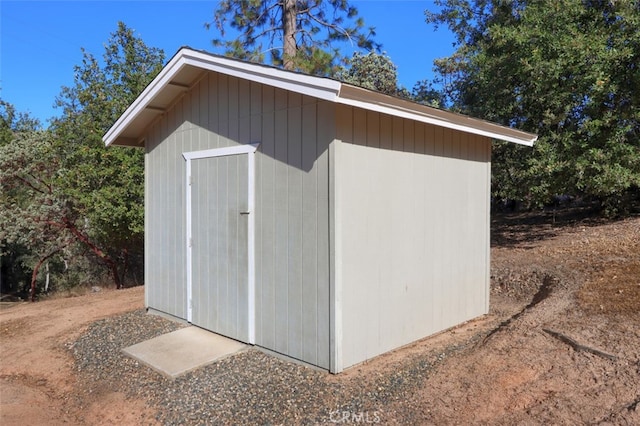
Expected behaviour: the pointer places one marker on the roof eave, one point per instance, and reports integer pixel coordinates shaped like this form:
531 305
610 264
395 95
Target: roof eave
363 98
317 87
322 88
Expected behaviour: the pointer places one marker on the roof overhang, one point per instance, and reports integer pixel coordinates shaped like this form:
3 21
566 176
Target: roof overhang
187 66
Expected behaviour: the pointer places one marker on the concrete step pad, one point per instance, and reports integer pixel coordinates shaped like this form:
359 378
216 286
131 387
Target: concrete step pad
184 350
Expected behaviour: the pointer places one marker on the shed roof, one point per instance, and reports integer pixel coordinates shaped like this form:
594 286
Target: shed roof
188 65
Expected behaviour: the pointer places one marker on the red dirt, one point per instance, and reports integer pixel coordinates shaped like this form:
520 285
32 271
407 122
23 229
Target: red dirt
37 382
579 280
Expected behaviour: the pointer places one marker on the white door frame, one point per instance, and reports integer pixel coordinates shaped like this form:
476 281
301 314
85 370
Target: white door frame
250 150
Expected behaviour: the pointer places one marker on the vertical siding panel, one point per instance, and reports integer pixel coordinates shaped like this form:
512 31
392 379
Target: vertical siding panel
420 147
213 101
338 302
154 256
244 112
176 242
265 225
214 247
256 112
172 223
453 293
373 129
240 164
186 137
199 141
168 294
223 110
234 111
149 215
380 210
309 234
444 230
409 140
421 235
386 132
226 271
232 224
203 112
191 142
447 146
294 231
209 111
163 230
430 140
359 127
173 213
281 249
177 208
438 141
359 299
430 245
468 207
398 130
326 134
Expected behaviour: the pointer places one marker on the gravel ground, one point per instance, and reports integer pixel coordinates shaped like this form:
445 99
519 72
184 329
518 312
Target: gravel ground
580 281
251 387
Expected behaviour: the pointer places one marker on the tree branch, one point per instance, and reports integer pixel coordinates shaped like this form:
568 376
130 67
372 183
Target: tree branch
30 185
337 28
34 274
577 346
113 266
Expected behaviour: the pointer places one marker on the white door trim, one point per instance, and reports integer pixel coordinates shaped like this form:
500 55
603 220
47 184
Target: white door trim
250 150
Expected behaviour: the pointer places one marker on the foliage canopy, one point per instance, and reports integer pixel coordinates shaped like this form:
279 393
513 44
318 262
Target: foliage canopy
62 187
295 34
567 70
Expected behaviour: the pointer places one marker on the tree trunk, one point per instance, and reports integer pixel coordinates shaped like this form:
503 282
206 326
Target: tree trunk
34 274
125 263
46 282
289 13
111 264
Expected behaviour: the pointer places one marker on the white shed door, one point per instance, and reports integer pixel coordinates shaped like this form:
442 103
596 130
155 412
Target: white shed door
219 245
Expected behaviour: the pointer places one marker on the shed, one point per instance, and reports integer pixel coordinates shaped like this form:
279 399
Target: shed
310 217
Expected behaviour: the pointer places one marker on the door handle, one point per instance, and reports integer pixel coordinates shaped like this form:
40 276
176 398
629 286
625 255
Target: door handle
245 212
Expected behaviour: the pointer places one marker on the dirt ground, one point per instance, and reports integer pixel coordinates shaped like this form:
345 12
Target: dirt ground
560 345
37 381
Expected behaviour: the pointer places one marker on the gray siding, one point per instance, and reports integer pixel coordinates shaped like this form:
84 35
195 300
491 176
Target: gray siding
292 205
413 220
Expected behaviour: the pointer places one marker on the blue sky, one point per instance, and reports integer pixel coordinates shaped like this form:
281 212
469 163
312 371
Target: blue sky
40 41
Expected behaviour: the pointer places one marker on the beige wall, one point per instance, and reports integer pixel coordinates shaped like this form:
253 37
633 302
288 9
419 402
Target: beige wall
413 213
292 204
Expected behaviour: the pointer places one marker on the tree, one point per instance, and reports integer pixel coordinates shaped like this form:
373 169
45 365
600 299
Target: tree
295 34
377 72
104 187
567 70
19 246
34 210
61 188
425 93
371 71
